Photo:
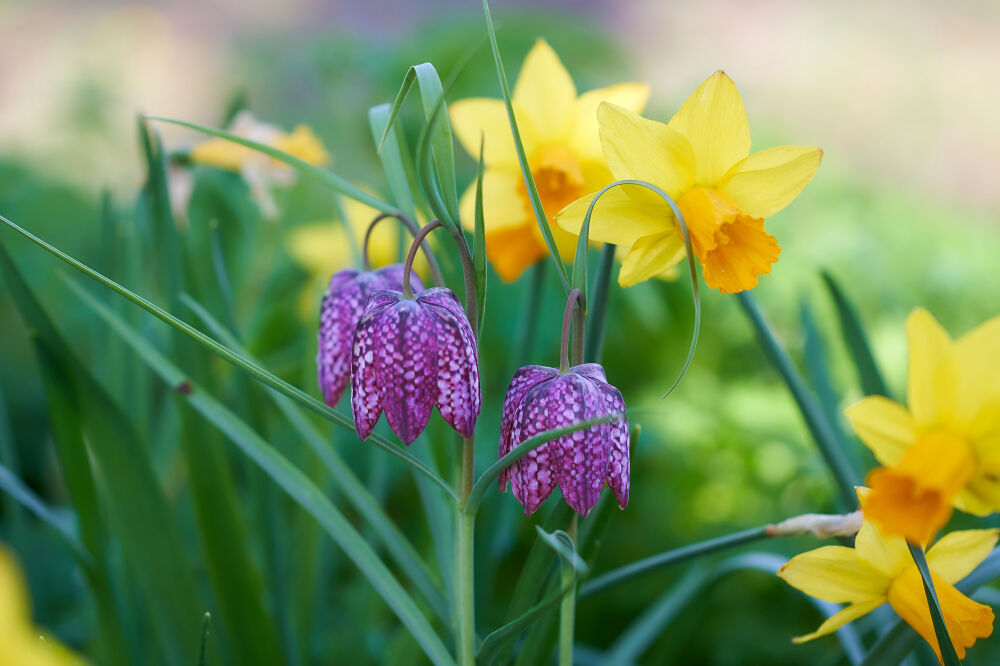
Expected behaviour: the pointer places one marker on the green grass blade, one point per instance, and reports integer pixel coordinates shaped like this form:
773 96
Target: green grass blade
598 306
391 155
818 371
948 655
156 197
296 484
833 453
856 339
16 489
328 178
355 492
227 354
479 244
522 158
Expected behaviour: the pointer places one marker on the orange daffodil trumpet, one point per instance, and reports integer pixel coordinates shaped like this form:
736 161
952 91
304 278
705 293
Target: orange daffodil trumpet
879 569
943 450
559 132
702 159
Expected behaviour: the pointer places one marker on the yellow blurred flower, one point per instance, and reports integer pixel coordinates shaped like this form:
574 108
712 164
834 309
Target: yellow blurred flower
880 569
20 642
258 170
944 450
701 158
559 132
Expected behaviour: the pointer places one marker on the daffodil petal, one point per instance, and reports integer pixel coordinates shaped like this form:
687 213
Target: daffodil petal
481 119
932 383
714 121
585 140
650 257
955 555
320 247
839 619
767 181
504 205
545 91
641 149
885 427
617 218
977 357
836 574
887 554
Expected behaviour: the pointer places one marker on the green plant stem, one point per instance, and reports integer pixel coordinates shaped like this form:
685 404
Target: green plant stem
598 306
465 522
567 610
835 458
681 554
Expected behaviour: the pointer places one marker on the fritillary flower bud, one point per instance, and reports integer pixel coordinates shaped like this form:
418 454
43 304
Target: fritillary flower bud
343 305
580 463
410 354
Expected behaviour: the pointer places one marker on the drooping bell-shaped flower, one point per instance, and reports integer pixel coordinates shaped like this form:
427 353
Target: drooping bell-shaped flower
580 463
412 353
343 305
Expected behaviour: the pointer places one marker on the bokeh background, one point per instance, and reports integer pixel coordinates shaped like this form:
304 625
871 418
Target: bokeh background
904 212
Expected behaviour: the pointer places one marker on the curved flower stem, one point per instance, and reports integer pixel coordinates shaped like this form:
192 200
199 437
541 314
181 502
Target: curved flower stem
567 610
432 262
412 254
573 318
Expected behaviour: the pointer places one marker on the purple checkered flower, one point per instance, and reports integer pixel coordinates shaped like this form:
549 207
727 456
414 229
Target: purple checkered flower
343 305
409 355
580 463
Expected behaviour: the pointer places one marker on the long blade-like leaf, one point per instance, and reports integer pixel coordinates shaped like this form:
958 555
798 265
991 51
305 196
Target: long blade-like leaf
14 487
391 155
287 476
947 648
479 244
229 355
854 335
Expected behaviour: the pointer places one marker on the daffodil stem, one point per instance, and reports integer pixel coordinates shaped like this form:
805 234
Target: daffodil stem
410 226
465 521
572 319
418 238
598 306
567 609
843 473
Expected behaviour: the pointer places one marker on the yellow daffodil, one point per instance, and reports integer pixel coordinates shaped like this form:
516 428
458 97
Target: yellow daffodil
879 569
944 450
20 642
702 159
258 170
559 132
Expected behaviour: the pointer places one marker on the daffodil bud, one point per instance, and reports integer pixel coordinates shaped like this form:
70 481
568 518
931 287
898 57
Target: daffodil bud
343 305
580 463
409 355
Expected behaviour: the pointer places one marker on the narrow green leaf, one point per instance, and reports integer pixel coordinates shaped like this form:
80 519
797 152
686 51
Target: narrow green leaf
296 484
14 487
328 178
156 196
391 155
948 655
522 158
523 449
856 340
597 308
206 625
833 454
479 244
562 544
227 354
354 491
818 371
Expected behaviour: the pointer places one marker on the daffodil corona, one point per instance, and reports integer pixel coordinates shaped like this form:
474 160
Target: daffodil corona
879 569
702 159
944 449
559 131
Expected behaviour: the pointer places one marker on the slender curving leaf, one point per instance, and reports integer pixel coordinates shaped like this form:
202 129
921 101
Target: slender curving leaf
59 524
856 339
598 307
947 648
479 245
296 484
230 356
391 155
328 178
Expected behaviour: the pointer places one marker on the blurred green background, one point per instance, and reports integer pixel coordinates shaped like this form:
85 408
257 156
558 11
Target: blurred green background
903 212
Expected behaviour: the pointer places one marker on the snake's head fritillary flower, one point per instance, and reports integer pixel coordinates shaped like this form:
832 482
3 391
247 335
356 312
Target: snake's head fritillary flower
702 159
409 355
558 129
879 569
540 398
343 305
942 450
